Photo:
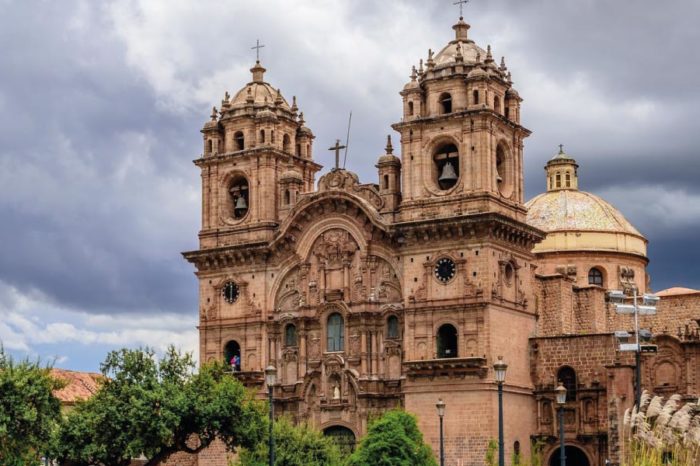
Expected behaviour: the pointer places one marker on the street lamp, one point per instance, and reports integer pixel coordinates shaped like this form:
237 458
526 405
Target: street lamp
647 307
270 379
561 400
440 405
499 368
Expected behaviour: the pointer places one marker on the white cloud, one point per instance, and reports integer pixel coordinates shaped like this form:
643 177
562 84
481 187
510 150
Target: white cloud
27 322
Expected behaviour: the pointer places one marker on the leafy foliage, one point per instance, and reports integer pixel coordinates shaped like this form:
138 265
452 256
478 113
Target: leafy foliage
393 440
28 410
299 445
156 408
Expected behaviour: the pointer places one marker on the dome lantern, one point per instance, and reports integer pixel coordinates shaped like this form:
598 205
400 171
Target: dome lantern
562 172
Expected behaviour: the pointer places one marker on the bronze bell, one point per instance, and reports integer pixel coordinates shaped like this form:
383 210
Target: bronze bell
241 204
448 173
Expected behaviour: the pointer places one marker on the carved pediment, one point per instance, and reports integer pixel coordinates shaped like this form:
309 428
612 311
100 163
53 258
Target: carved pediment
348 181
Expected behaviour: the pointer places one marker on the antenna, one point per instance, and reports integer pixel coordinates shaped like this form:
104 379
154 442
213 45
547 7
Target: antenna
347 141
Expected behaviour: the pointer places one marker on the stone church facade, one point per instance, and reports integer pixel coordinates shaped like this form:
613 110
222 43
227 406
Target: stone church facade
372 296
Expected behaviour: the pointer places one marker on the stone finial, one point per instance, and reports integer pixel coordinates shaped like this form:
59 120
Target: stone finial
503 66
420 67
430 63
489 56
478 57
227 96
414 73
301 119
294 104
389 148
510 78
278 99
214 113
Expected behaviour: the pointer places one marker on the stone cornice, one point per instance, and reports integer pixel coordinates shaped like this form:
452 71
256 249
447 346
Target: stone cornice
461 115
253 152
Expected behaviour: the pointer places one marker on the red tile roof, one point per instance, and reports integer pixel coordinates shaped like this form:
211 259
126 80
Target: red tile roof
79 385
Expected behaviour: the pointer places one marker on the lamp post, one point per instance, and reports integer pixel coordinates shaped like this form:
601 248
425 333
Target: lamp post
647 307
500 370
561 400
270 379
440 405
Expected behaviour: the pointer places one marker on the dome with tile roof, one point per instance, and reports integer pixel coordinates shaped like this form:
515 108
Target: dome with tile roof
578 220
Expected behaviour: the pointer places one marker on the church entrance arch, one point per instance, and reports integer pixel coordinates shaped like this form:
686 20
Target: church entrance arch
343 437
232 355
574 457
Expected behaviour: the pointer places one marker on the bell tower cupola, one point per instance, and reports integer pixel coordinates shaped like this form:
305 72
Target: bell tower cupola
461 138
257 161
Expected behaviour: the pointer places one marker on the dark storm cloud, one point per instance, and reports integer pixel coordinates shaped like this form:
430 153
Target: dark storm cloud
100 110
87 162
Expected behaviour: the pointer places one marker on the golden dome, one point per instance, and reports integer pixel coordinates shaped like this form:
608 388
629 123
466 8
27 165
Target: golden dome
573 210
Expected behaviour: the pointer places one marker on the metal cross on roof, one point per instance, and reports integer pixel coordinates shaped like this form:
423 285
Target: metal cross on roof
337 148
257 48
461 4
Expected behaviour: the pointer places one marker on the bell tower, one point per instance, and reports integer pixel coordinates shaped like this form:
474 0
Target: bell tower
461 138
257 161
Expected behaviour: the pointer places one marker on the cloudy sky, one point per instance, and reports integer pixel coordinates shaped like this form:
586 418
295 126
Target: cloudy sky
101 105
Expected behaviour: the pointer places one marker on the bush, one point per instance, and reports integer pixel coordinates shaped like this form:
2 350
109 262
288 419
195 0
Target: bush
393 440
298 445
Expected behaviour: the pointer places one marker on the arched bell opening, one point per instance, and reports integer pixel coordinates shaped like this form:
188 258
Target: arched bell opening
446 160
445 103
504 170
239 140
232 355
239 193
286 143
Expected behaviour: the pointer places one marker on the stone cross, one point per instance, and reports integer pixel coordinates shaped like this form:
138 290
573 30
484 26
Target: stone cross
257 48
461 4
337 148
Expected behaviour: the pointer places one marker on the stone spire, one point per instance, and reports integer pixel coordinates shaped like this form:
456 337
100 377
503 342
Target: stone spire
562 172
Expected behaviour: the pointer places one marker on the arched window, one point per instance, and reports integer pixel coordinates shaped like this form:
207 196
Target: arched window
507 112
262 136
497 104
558 180
386 182
500 165
239 140
286 142
595 277
567 377
335 333
475 96
410 108
272 136
298 150
445 103
516 452
232 355
343 437
210 146
290 335
568 179
287 197
446 161
447 341
239 195
392 327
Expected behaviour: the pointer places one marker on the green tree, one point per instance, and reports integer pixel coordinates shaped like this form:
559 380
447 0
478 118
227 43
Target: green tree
28 410
299 445
393 440
157 408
